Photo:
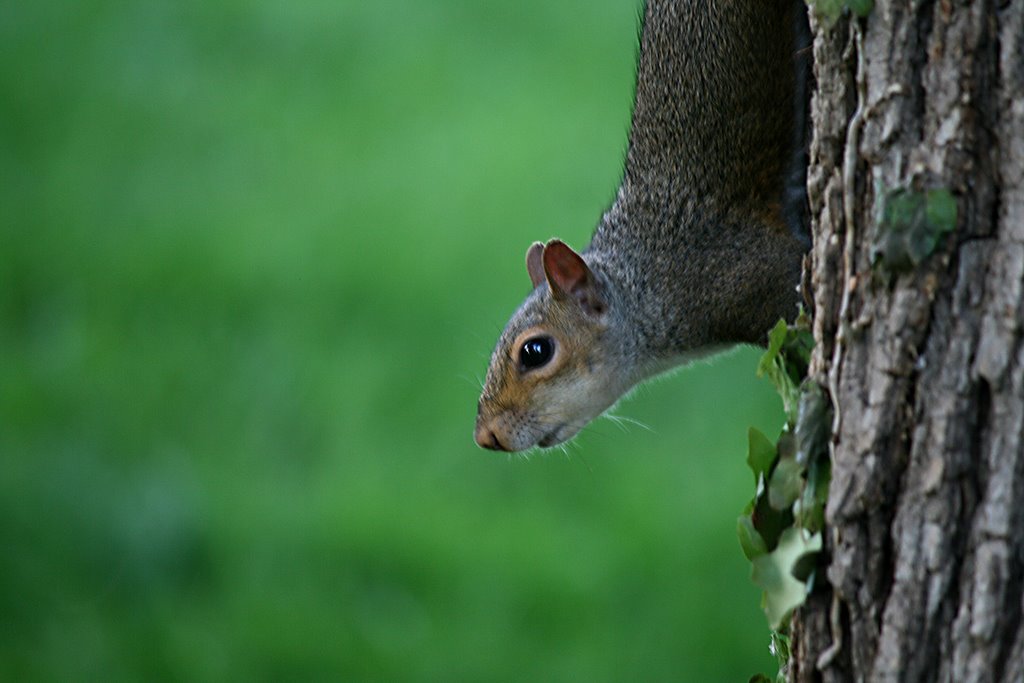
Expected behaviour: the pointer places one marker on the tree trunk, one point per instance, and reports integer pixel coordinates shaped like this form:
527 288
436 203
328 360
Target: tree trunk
925 366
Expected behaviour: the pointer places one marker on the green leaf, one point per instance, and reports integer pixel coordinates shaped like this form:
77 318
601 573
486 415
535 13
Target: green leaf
813 423
774 574
776 338
827 9
760 453
751 542
941 210
759 678
919 242
786 359
809 512
787 388
819 475
779 647
900 209
861 8
785 484
803 567
786 446
768 521
910 226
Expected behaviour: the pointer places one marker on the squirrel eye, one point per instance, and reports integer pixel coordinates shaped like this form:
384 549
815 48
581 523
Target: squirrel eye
536 352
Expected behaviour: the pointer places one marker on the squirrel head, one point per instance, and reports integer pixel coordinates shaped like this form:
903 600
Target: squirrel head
556 365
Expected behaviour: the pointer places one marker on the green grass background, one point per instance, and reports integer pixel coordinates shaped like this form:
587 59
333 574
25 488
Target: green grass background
253 258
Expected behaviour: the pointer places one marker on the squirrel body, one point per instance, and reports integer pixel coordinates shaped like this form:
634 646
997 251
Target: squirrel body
695 253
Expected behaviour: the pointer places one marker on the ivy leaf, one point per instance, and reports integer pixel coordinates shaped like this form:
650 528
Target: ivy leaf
940 210
785 484
809 513
779 646
786 446
773 572
780 529
750 540
813 423
892 247
760 453
828 9
800 346
911 225
768 521
786 359
803 567
776 338
861 8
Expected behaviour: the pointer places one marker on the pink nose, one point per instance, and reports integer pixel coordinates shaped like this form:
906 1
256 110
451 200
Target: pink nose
485 438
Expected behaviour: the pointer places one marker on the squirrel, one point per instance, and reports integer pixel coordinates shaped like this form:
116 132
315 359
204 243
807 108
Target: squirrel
699 249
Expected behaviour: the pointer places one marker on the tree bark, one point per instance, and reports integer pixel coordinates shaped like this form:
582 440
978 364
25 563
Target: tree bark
924 554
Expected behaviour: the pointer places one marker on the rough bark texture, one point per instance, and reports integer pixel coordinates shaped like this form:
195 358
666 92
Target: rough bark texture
925 537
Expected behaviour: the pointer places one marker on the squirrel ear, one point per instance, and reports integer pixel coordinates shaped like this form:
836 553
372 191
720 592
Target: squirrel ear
569 276
535 263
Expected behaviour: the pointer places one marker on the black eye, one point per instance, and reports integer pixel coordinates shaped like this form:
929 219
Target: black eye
536 352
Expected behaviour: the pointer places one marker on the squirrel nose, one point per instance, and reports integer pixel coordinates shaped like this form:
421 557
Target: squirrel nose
485 438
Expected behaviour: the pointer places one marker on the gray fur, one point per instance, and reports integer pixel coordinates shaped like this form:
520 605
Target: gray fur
696 241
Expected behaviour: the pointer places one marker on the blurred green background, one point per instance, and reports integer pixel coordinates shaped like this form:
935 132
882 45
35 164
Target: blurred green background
253 258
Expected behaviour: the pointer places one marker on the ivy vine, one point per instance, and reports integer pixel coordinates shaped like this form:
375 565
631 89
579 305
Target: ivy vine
780 528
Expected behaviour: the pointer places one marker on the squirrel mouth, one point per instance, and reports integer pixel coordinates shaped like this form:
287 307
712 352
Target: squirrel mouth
551 438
